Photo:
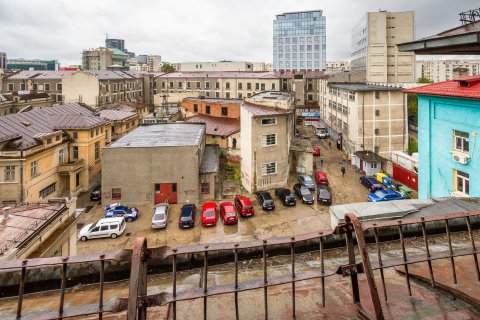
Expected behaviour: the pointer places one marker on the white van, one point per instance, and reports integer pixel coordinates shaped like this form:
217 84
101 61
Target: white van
322 132
104 228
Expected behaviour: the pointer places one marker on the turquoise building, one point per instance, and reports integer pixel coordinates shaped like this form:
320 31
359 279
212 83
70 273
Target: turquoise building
448 148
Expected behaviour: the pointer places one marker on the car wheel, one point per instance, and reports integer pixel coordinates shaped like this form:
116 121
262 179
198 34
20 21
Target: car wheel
83 238
129 219
114 235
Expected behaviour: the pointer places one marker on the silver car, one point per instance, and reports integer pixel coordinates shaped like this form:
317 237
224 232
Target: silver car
160 216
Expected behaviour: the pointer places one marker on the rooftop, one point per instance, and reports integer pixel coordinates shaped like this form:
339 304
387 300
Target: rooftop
217 126
359 87
259 111
52 75
225 74
215 100
23 96
162 135
370 156
210 161
467 87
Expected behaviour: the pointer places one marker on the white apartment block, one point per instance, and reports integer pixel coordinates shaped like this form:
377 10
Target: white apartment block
369 117
374 50
219 66
444 70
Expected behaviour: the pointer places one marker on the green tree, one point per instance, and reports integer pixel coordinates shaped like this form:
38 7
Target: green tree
424 80
168 68
412 106
412 146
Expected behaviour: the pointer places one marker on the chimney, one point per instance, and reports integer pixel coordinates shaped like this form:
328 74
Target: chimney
6 212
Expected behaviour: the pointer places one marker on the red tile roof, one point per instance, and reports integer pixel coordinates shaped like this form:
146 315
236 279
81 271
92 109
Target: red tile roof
217 126
468 87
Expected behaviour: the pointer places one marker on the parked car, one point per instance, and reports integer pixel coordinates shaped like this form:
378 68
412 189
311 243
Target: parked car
209 214
316 151
384 195
324 194
104 228
96 194
307 181
160 215
371 183
265 200
187 216
303 193
286 196
117 210
228 213
244 206
321 178
322 133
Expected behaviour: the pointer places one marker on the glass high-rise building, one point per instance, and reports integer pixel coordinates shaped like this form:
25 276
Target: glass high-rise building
299 41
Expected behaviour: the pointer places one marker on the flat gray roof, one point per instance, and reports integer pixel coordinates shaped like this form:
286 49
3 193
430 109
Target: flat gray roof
273 95
162 135
362 87
210 161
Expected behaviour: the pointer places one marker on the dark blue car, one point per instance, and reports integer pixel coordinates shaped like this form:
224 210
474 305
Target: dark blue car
384 195
371 183
116 210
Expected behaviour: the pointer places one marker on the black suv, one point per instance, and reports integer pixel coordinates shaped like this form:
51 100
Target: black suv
303 193
265 200
288 199
96 194
187 216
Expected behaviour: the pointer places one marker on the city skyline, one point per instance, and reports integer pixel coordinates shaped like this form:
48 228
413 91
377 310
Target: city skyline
215 30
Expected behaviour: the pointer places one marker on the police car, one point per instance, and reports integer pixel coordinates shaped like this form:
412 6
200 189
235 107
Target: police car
116 210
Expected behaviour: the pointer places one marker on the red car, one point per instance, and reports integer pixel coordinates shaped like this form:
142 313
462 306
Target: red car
228 213
321 178
316 151
244 206
209 214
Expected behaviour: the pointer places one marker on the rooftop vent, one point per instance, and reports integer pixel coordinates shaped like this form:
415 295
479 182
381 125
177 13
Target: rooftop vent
26 123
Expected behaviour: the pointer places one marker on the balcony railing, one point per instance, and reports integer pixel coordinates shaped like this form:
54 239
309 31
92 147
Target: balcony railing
71 166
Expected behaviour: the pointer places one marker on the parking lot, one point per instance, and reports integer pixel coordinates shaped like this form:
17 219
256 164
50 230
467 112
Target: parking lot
283 221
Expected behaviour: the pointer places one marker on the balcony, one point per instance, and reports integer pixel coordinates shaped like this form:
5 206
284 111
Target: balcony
71 166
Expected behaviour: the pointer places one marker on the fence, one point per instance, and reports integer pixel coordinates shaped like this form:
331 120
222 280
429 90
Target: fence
353 232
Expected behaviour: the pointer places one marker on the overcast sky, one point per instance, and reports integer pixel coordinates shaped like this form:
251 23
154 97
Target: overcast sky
191 30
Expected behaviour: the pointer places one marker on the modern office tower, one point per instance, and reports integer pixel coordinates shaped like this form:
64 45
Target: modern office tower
32 64
3 60
115 44
299 41
374 50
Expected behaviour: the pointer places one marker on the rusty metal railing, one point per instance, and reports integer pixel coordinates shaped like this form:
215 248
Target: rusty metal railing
353 232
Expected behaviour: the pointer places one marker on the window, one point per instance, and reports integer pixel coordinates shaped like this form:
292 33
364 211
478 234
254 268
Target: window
113 226
269 139
59 87
377 113
195 108
217 94
269 121
217 85
240 86
23 86
116 194
47 86
227 95
273 86
249 86
198 85
9 173
11 87
240 96
224 111
47 191
35 87
61 156
257 86
269 168
171 84
75 153
377 131
205 187
34 168
207 109
58 98
262 86
460 141
188 84
103 228
75 135
97 150
227 85
377 94
462 182
77 179
49 140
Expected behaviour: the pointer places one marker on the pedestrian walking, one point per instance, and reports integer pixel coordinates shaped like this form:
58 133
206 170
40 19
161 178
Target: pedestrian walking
339 144
321 161
343 171
330 144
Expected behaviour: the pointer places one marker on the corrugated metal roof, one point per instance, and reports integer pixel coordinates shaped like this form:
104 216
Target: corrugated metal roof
258 111
362 87
116 115
162 135
211 160
468 87
217 126
216 74
23 75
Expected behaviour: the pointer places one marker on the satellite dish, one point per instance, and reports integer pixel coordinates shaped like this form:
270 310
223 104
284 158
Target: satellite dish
40 87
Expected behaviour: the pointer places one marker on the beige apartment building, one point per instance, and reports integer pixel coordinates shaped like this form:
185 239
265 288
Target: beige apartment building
265 136
14 102
374 50
368 117
339 65
444 70
96 59
220 66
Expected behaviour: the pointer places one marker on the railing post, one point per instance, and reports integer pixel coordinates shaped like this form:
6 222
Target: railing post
138 282
367 267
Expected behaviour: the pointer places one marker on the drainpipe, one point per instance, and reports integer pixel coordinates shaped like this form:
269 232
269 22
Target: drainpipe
22 191
363 121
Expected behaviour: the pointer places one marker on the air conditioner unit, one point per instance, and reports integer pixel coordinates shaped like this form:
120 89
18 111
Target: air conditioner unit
461 158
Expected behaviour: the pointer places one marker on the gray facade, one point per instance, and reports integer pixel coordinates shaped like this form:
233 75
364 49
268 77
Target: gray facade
299 41
3 60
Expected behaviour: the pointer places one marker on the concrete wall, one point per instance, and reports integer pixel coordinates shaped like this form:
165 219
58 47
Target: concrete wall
81 87
437 118
216 66
246 150
136 170
233 108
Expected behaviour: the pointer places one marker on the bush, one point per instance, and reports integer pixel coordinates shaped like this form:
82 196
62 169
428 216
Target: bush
412 146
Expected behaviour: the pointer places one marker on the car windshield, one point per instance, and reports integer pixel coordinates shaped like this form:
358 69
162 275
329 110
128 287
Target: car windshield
304 191
188 218
379 194
247 207
307 179
159 216
230 213
92 226
209 213
324 193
